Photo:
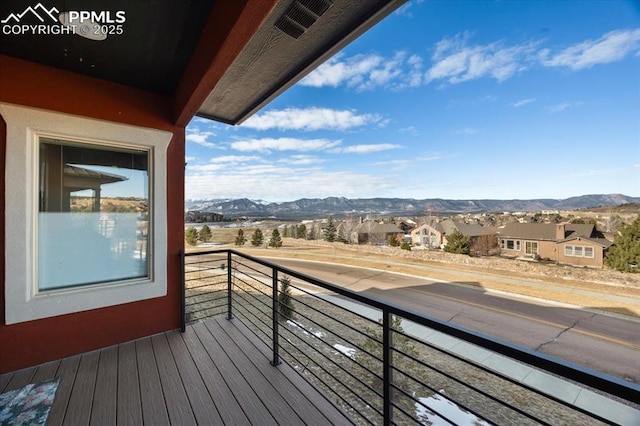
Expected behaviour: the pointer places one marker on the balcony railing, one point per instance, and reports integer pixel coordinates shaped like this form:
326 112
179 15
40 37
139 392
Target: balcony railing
383 364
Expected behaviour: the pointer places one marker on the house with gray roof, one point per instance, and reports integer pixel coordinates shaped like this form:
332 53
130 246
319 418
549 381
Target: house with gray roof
433 233
574 244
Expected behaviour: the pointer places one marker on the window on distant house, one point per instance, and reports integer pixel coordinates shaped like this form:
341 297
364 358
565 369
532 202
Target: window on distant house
510 244
93 214
579 251
531 248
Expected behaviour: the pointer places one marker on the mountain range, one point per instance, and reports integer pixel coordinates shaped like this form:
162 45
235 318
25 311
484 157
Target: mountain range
339 206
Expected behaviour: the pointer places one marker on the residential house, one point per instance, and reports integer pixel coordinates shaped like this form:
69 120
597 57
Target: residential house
575 244
123 100
433 234
373 232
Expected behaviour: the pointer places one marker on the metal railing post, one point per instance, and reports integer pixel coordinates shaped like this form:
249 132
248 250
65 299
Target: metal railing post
183 293
274 317
386 365
229 288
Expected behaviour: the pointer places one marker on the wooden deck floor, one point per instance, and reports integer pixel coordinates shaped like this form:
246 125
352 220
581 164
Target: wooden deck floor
215 373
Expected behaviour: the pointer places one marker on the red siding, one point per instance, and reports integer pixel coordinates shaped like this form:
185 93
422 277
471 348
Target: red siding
37 86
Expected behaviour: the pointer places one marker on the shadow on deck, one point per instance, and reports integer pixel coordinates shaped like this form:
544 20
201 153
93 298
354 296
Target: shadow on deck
217 372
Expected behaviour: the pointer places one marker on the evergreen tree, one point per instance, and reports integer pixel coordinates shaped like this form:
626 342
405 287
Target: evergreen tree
285 300
191 236
457 243
257 239
624 254
302 231
240 238
275 240
330 231
285 232
405 246
402 344
205 233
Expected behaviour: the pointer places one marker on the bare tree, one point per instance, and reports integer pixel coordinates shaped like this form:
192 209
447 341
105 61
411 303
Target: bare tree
347 228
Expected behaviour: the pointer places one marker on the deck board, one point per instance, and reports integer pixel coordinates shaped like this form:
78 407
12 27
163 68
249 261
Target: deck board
128 399
67 375
4 380
266 380
177 402
81 399
104 407
243 391
216 372
227 405
301 394
20 379
46 372
154 410
204 408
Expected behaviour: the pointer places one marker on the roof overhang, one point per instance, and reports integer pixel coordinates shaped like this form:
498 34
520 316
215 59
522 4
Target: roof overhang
218 59
274 60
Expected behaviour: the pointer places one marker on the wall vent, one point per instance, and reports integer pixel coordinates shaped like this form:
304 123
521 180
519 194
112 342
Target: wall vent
301 15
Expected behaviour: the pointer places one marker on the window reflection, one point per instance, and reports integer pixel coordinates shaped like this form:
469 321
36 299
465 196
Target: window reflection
93 220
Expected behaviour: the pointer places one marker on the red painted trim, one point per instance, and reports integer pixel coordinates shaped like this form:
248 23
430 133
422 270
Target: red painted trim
34 342
230 27
38 86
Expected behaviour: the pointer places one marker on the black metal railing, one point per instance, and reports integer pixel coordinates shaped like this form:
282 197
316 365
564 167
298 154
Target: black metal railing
383 364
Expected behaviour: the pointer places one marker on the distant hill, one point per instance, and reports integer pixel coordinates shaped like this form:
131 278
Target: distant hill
338 206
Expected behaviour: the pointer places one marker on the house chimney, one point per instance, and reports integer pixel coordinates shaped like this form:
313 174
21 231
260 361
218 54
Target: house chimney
560 232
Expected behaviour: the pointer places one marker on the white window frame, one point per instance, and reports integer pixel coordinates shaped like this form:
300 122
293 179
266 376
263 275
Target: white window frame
570 251
505 243
531 244
25 126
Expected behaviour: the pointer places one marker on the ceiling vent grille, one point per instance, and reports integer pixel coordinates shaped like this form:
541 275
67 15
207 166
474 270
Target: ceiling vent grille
301 15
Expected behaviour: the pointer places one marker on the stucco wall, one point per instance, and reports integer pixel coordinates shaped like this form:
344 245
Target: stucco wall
595 261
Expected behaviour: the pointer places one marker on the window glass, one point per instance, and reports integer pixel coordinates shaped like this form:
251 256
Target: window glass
93 214
568 250
577 251
588 252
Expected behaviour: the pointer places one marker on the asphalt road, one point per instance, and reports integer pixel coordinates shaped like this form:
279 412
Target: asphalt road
604 342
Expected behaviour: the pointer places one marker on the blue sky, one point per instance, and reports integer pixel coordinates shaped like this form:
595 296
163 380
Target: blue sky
445 99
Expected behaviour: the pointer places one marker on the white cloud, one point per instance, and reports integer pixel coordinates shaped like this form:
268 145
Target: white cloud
364 72
455 61
309 119
267 145
366 148
234 159
336 71
283 183
301 160
466 131
200 137
611 47
522 102
552 109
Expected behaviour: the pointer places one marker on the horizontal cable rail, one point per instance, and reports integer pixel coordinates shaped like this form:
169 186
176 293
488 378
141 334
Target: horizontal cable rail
383 364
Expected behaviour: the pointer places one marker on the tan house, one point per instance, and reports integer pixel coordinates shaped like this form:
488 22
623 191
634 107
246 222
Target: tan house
574 244
372 232
433 234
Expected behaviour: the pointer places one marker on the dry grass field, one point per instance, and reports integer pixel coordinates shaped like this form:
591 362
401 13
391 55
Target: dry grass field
594 288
